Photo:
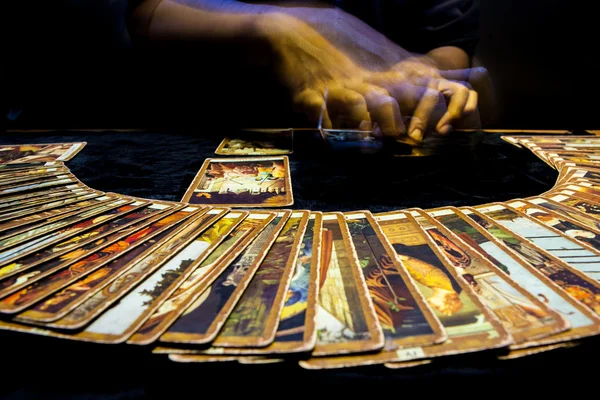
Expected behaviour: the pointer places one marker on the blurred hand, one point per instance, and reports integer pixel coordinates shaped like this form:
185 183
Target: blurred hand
310 66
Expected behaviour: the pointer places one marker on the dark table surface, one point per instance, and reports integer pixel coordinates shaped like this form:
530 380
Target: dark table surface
161 165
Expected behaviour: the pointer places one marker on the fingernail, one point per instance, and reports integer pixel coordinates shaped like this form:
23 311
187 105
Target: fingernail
416 134
444 130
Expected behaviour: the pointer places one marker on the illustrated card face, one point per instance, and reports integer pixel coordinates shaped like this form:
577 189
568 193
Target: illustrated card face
39 288
581 258
258 143
253 321
92 307
60 303
346 321
468 324
569 211
581 320
78 235
577 284
201 322
211 239
28 186
242 182
37 153
523 315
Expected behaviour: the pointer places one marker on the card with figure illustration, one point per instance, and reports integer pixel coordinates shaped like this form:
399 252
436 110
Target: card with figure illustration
205 317
523 315
296 329
18 294
253 321
581 260
405 318
242 182
346 321
501 223
158 249
38 153
501 253
258 142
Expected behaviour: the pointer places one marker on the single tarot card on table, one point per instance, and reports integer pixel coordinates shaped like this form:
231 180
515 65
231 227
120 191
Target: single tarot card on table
43 152
258 143
242 182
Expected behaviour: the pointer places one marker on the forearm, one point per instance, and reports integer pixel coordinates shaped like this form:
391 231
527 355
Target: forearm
165 21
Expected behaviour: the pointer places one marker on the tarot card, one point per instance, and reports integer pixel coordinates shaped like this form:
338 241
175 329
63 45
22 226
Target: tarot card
38 170
38 288
572 199
522 314
58 181
176 237
109 328
254 319
201 358
564 210
407 364
47 175
271 142
581 258
38 195
582 321
37 153
121 320
575 283
296 330
469 325
13 238
201 322
22 208
345 321
55 244
405 318
587 239
92 307
242 182
213 237
32 219
515 354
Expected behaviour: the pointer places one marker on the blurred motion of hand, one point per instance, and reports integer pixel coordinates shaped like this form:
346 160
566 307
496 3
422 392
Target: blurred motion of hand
411 98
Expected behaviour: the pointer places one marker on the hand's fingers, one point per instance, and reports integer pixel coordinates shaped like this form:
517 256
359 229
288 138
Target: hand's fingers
468 75
383 108
471 105
311 103
457 95
422 114
347 108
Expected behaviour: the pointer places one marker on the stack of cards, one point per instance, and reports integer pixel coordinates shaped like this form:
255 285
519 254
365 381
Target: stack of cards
215 279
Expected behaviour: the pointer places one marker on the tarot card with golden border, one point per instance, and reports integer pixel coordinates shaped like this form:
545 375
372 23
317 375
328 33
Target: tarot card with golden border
580 259
583 321
161 247
254 319
257 142
20 209
204 318
242 182
39 153
522 314
38 288
55 244
92 307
